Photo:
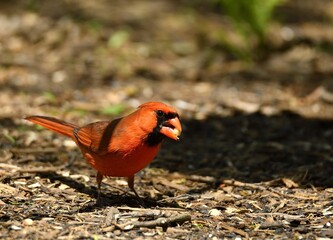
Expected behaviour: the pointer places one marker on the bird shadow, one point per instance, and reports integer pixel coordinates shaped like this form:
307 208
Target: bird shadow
253 148
106 199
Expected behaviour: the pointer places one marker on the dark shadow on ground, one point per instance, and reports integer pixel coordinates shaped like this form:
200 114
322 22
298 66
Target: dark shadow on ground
107 197
254 148
248 148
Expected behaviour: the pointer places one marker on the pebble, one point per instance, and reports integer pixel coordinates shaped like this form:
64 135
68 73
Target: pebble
14 227
34 185
28 222
69 144
63 186
214 212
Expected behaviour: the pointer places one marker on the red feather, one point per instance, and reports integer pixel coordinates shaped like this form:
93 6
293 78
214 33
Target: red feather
118 147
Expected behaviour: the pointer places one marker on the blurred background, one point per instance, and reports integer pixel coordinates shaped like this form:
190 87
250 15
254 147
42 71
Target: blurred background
205 57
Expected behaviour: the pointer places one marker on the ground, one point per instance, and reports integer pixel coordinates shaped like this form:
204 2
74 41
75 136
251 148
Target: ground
255 157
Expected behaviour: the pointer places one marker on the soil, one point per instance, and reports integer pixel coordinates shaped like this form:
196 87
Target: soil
255 157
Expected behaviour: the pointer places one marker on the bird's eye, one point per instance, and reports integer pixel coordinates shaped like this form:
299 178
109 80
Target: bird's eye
160 113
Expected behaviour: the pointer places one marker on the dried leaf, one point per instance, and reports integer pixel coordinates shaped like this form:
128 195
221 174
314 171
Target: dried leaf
289 183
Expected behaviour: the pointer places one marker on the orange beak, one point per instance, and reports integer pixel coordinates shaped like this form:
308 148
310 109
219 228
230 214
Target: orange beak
172 128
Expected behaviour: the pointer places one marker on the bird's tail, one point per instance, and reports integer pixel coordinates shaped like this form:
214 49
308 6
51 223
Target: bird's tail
54 124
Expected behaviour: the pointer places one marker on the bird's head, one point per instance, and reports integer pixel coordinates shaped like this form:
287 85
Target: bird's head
165 121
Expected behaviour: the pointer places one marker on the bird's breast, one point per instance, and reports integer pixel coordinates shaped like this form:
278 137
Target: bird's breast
123 164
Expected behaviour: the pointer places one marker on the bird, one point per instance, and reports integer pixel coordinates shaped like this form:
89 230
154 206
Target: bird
123 146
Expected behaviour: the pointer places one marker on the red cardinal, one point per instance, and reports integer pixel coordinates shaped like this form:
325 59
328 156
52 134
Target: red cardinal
124 146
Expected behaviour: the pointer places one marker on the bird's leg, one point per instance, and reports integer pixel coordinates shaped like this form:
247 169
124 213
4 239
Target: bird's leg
130 182
99 178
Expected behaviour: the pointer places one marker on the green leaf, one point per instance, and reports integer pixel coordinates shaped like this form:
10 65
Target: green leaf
49 96
95 25
10 138
113 110
118 39
250 16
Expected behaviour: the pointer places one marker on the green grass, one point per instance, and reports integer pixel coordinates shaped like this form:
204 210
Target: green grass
251 19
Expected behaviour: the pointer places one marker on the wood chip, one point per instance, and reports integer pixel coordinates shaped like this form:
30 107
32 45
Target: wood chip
233 229
160 222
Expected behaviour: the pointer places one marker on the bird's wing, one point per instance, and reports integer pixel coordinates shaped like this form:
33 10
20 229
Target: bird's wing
96 136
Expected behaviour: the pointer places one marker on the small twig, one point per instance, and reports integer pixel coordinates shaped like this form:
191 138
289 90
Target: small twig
170 184
269 225
242 184
258 187
284 215
29 170
131 209
9 166
233 229
39 170
203 179
42 169
159 208
160 222
34 150
149 214
251 185
123 191
182 197
25 189
320 93
109 228
73 223
172 209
